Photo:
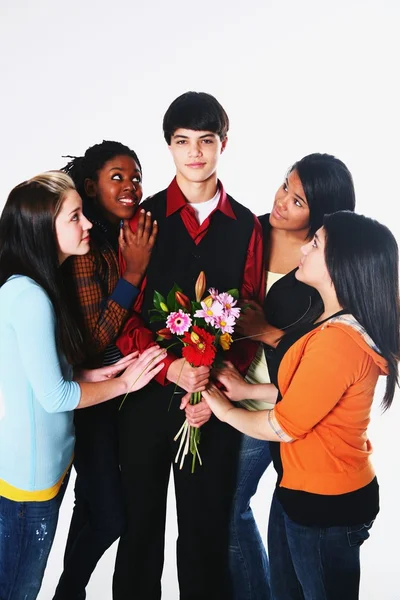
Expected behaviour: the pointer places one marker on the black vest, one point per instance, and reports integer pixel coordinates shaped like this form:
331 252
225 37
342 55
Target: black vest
221 254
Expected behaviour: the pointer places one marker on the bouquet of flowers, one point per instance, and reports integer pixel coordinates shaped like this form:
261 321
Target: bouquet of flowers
204 326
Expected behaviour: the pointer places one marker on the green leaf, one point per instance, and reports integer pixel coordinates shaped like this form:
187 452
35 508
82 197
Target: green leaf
157 299
234 292
200 323
246 307
171 301
160 317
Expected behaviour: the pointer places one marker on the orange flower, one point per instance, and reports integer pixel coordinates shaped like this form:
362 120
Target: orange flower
200 286
225 340
182 300
165 333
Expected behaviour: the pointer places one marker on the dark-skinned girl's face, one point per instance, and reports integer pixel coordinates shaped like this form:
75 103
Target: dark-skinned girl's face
291 211
118 188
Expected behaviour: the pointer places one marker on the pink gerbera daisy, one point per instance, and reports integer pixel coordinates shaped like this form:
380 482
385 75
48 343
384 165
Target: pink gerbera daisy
178 322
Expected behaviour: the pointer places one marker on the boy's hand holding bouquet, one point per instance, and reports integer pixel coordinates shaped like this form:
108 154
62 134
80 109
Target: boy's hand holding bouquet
204 327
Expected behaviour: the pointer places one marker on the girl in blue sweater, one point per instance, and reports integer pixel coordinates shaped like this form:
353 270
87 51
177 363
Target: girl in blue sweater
41 226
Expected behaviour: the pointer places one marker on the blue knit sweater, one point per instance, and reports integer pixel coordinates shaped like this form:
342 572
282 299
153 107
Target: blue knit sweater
37 396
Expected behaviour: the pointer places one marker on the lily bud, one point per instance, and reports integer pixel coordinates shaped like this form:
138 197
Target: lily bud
182 300
164 307
200 286
164 333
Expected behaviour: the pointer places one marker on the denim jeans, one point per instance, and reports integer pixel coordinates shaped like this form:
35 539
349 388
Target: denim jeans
313 563
248 561
27 531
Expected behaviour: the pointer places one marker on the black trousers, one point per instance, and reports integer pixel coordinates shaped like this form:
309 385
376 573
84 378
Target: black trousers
203 501
98 517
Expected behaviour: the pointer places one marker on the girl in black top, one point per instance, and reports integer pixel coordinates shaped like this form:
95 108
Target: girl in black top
315 185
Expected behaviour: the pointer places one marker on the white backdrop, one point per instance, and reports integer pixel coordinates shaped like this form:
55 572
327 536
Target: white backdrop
295 77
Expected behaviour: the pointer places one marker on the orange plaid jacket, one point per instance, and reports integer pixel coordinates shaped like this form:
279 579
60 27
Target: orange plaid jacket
101 300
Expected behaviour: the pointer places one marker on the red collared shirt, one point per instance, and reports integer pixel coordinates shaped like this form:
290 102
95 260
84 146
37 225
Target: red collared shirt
136 337
253 285
177 201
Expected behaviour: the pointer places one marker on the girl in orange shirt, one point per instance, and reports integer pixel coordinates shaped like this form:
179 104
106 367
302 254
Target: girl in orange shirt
327 495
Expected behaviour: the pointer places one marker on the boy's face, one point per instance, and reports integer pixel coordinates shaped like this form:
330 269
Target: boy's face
196 153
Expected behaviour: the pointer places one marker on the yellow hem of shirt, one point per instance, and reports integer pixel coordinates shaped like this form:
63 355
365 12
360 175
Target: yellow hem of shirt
12 493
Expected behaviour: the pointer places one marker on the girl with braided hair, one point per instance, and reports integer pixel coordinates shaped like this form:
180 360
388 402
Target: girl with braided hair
109 179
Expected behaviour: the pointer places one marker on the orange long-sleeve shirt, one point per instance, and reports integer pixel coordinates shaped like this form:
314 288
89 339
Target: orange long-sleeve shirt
327 380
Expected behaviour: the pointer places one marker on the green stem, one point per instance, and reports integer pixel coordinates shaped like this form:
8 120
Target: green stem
195 398
193 461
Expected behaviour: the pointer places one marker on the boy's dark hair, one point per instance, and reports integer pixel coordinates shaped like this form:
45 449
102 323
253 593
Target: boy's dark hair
363 262
198 111
328 186
88 166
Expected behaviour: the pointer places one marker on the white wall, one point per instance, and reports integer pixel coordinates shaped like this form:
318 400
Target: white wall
295 77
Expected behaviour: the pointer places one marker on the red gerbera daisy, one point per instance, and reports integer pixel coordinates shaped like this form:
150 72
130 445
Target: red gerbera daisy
199 348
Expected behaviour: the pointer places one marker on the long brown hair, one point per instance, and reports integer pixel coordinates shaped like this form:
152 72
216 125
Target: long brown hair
28 246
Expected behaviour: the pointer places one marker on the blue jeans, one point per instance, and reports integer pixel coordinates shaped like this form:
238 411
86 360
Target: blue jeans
248 561
313 563
27 531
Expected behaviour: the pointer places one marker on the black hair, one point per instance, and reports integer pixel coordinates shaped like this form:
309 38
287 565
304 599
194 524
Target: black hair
328 187
363 260
88 166
197 111
28 246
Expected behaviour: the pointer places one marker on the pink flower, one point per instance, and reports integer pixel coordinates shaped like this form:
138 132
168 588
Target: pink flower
178 322
210 310
213 293
228 302
225 322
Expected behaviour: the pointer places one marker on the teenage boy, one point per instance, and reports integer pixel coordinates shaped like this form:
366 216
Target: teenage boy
201 228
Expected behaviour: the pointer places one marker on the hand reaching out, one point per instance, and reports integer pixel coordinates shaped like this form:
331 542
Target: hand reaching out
236 388
144 368
252 320
217 401
104 373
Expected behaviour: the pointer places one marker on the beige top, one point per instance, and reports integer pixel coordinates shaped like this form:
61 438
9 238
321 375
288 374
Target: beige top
258 370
